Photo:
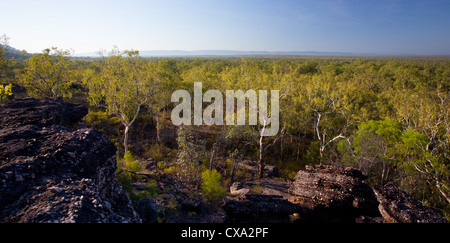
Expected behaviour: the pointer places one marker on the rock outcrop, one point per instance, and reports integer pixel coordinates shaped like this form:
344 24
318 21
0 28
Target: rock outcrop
324 193
54 170
317 194
334 191
397 206
264 200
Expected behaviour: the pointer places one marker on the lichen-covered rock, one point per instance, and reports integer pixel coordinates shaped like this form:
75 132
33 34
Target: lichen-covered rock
52 170
397 206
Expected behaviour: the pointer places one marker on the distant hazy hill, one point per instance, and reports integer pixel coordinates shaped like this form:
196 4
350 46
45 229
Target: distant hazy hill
10 49
11 52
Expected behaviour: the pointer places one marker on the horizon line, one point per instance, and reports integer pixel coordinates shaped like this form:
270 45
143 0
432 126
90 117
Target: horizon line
231 53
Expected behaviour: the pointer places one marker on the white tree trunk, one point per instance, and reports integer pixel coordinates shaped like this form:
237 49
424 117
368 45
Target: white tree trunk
125 138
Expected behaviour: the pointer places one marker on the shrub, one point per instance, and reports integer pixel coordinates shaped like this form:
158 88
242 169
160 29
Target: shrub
152 188
191 154
124 180
128 156
159 152
5 91
131 163
211 185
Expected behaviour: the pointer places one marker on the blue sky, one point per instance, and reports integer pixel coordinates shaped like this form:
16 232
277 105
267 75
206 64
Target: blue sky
380 27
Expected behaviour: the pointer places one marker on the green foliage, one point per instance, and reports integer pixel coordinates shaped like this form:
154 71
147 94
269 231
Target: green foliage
374 149
240 143
211 186
387 131
170 170
417 159
389 154
122 85
313 154
128 157
159 152
98 118
239 137
412 149
5 91
152 188
48 74
124 178
131 163
191 154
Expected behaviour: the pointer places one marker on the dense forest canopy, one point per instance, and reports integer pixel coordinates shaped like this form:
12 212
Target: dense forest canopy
387 116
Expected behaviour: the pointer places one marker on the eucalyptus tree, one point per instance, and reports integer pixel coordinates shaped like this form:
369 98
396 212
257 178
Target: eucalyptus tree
47 74
123 84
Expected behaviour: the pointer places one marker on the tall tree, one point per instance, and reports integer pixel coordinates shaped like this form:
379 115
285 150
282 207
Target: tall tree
47 74
123 85
324 101
167 81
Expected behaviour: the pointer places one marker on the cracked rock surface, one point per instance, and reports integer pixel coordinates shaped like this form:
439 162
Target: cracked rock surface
52 169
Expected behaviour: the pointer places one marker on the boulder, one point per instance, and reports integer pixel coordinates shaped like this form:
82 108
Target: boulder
334 191
397 206
54 170
238 189
260 201
333 194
